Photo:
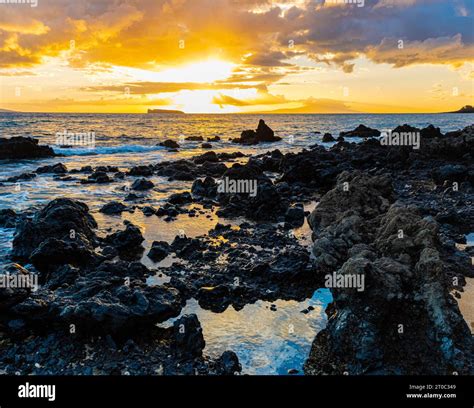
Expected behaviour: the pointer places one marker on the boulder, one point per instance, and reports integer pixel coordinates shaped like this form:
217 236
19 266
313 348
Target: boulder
361 131
328 138
129 239
23 148
142 184
170 144
113 208
187 334
61 218
58 168
159 251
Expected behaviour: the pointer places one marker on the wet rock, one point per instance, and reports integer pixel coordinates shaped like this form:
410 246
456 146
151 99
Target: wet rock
213 298
206 146
21 177
23 148
148 211
99 177
61 218
263 134
8 218
206 157
295 216
204 188
404 287
195 139
54 252
214 139
58 168
188 336
132 197
180 198
142 184
361 131
328 138
405 129
113 208
430 132
228 364
159 251
95 306
129 239
170 144
141 171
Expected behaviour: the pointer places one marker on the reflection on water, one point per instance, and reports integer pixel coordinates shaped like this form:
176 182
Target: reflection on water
267 342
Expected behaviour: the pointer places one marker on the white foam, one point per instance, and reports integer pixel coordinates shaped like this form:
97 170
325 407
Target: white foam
87 151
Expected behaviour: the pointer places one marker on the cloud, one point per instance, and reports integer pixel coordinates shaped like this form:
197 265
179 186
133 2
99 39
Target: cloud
148 33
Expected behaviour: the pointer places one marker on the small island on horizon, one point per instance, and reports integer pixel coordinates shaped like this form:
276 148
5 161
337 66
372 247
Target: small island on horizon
166 111
465 109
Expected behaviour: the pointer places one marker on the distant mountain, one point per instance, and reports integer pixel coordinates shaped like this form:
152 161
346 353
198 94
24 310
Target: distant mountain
6 111
465 109
166 111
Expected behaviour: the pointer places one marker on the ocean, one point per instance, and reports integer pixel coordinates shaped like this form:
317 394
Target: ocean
259 336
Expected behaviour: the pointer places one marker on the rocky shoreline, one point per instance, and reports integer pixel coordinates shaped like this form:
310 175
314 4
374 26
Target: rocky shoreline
392 214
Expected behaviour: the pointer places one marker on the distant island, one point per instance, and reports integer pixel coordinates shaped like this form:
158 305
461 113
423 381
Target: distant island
465 109
168 111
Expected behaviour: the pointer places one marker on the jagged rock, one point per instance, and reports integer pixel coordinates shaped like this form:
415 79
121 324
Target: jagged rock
142 184
328 138
61 218
58 168
170 144
129 239
113 208
23 148
204 188
295 216
159 251
180 198
54 252
195 138
8 218
263 134
142 171
402 320
188 336
361 131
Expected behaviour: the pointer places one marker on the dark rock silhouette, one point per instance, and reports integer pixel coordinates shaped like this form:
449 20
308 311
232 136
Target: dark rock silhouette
361 131
23 148
263 134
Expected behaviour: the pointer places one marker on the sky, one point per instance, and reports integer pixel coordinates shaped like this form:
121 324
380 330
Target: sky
237 56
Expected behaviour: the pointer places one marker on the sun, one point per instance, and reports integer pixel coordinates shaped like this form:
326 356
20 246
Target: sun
207 71
200 72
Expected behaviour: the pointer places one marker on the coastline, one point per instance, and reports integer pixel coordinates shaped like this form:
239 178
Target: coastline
261 234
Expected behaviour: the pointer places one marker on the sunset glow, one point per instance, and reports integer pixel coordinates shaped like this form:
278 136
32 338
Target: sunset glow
225 56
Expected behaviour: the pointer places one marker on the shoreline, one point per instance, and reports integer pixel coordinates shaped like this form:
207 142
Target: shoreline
260 252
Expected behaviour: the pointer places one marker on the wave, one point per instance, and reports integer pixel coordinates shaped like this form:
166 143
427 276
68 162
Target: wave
87 151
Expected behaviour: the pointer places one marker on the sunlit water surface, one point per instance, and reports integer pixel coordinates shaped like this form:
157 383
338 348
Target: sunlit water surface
267 341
